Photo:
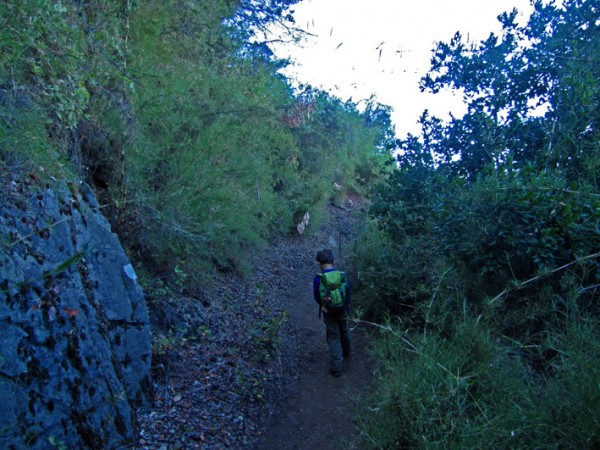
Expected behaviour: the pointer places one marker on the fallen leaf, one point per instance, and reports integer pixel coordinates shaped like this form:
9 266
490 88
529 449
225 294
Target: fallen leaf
70 312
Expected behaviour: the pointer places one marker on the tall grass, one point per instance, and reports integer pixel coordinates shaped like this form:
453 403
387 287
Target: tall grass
476 390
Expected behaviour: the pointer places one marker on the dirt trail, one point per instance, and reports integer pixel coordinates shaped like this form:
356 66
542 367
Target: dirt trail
316 411
212 389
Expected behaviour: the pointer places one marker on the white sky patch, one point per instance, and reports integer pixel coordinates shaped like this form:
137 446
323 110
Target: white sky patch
382 48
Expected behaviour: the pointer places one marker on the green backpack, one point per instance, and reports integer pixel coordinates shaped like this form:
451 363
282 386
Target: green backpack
332 290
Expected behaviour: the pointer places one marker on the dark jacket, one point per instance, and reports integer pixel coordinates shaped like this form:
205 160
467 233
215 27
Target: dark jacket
317 296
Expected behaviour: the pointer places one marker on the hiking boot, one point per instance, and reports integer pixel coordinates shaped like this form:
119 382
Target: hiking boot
335 373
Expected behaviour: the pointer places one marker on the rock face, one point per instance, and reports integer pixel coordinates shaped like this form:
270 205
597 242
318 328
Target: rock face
74 332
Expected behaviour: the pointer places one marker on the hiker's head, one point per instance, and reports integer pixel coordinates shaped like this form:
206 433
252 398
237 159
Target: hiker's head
325 257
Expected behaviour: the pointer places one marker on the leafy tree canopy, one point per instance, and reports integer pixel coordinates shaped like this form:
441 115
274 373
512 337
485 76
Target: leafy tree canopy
532 93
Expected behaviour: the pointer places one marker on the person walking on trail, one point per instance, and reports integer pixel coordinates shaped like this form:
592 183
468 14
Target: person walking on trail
331 290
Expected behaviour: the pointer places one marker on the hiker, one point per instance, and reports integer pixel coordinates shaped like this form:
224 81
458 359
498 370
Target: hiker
331 290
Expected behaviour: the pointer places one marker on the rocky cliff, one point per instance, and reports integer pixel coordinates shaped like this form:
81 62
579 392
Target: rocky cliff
74 333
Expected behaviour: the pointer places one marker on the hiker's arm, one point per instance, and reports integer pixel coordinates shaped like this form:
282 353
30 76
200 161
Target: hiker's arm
316 294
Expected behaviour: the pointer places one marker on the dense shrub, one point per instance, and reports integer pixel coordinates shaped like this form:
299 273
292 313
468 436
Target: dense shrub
483 254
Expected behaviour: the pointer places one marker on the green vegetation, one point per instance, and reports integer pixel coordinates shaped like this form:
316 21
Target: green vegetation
197 148
482 267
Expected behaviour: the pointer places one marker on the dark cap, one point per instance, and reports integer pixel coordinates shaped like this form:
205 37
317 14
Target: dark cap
325 257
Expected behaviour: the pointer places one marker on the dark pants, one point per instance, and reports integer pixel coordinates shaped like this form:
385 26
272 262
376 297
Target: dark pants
338 339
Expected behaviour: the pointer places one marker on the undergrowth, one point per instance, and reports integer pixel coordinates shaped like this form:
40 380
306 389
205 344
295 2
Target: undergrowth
475 390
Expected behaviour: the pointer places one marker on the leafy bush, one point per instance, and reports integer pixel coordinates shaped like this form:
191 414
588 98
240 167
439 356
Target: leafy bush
505 231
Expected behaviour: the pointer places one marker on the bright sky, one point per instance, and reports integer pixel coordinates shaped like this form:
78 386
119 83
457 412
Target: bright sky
383 47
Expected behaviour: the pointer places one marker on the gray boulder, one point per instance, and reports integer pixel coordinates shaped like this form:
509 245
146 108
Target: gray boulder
74 332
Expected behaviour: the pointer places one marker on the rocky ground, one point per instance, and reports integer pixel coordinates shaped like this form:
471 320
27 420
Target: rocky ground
245 366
